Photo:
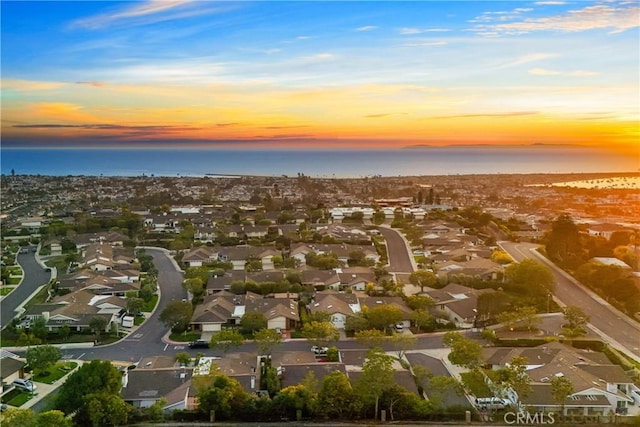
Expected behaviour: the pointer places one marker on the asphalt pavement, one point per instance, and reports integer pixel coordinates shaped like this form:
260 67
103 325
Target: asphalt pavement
614 327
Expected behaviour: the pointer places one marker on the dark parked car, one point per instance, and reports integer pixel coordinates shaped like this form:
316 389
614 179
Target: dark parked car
199 344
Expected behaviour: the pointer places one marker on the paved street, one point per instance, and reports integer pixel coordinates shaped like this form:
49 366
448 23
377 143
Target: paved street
34 277
614 327
400 257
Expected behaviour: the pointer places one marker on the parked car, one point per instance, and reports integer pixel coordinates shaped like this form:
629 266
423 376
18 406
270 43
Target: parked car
492 402
27 385
199 344
319 350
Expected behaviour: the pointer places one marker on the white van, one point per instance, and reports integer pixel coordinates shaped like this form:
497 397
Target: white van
27 385
491 402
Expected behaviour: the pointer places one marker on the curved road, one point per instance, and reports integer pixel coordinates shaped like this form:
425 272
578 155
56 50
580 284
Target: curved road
34 277
400 258
612 325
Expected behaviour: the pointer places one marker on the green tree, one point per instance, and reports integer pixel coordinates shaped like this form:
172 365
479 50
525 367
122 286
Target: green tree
266 339
98 325
177 315
384 316
53 418
337 398
42 357
423 320
526 315
225 397
15 417
576 321
106 408
319 333
183 358
134 304
253 321
561 388
464 351
96 376
423 278
39 328
294 402
514 375
226 340
64 332
376 377
371 338
356 322
419 302
563 241
529 277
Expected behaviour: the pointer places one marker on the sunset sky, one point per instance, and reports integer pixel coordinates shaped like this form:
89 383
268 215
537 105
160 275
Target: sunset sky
320 74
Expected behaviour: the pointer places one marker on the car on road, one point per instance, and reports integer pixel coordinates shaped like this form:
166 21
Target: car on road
319 350
199 344
27 385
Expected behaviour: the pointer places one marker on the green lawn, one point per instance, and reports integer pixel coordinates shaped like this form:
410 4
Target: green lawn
15 270
138 320
182 337
16 397
14 280
150 305
56 372
5 290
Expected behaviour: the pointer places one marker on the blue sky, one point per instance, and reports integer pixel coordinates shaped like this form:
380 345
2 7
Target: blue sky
368 73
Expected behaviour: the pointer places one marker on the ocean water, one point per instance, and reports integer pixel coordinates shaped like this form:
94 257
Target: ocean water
315 163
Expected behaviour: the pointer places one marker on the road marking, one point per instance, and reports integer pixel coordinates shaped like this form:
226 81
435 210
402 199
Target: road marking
178 347
138 336
67 356
80 357
165 347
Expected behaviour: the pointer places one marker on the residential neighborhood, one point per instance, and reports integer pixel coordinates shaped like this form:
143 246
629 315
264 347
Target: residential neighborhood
242 285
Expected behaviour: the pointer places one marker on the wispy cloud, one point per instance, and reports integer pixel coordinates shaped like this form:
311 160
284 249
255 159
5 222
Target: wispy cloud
549 3
147 12
29 85
425 44
576 73
377 116
525 59
601 16
413 30
367 28
92 83
496 115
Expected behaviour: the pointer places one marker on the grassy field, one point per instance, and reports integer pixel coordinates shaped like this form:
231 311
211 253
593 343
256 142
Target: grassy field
182 337
150 305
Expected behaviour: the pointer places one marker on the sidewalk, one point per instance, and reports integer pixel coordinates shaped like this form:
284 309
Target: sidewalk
43 390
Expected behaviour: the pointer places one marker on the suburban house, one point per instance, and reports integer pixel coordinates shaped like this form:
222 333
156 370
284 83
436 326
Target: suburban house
237 255
339 305
599 387
226 309
372 302
341 251
77 309
107 282
477 267
457 304
355 278
113 238
328 279
102 256
11 367
143 388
